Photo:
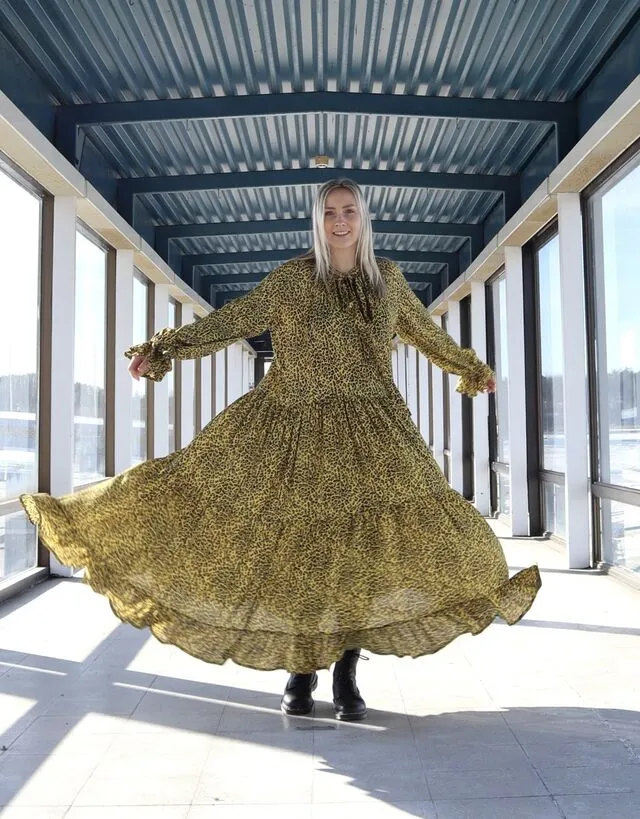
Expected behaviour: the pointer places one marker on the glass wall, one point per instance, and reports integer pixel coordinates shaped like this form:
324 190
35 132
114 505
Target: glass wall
89 361
614 212
171 382
197 396
140 389
446 412
501 456
551 385
20 232
430 399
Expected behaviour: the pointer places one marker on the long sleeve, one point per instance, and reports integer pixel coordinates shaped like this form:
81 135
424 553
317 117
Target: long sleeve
242 318
415 326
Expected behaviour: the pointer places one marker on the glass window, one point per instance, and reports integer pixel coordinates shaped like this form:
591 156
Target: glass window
430 395
171 382
614 224
20 229
621 534
18 544
140 389
498 310
504 493
553 509
616 221
499 297
20 232
197 396
446 412
550 356
89 363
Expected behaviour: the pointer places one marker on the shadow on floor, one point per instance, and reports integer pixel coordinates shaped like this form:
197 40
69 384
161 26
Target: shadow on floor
392 757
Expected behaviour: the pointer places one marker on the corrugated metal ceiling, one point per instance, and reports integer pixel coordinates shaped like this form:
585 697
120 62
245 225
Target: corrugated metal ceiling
127 50
162 49
294 202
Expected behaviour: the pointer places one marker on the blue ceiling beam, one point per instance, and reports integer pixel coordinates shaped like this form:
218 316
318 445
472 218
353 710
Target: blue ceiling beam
448 262
217 298
165 233
198 259
129 188
71 118
234 278
256 278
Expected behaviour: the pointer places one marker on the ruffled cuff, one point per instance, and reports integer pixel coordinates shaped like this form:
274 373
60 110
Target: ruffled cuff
475 379
157 351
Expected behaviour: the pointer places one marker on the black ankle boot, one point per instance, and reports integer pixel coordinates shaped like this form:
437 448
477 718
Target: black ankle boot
347 701
297 700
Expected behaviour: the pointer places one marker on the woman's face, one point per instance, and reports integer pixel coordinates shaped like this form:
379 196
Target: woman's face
342 222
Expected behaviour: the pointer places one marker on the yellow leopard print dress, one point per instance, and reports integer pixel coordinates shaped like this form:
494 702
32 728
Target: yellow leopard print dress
309 516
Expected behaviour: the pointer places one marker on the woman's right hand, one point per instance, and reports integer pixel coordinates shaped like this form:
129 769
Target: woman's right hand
139 366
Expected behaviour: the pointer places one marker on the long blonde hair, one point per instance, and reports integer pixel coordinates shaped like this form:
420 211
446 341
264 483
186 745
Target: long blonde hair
321 253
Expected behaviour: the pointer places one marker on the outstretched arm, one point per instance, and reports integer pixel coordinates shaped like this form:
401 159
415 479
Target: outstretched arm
415 326
242 318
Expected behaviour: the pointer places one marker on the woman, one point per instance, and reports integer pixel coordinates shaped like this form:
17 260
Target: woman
309 518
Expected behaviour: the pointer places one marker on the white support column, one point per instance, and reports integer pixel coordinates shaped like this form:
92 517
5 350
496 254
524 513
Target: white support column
221 380
205 390
517 392
394 364
187 387
63 276
455 404
423 390
576 401
123 340
412 382
161 388
438 410
234 371
481 465
402 369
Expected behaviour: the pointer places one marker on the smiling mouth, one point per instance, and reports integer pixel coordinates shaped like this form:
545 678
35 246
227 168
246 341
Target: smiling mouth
341 233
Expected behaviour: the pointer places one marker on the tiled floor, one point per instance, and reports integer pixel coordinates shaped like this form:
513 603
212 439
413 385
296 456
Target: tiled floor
537 721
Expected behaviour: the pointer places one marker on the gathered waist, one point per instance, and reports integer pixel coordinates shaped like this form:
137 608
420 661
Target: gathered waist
282 393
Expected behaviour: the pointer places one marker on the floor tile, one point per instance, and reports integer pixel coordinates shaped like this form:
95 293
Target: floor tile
101 717
129 812
579 754
592 779
521 781
537 807
375 810
595 806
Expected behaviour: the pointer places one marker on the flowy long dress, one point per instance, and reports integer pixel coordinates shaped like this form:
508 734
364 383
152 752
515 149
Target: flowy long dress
309 516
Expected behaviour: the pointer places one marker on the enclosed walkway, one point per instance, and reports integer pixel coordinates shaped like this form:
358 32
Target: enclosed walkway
158 160
538 721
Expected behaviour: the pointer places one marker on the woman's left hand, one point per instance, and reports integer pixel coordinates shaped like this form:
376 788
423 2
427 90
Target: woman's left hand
491 385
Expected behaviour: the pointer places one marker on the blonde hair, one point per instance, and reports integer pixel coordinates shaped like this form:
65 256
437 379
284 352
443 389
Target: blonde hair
321 253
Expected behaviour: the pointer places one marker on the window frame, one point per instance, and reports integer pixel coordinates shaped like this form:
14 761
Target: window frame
601 490
12 583
109 345
544 476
